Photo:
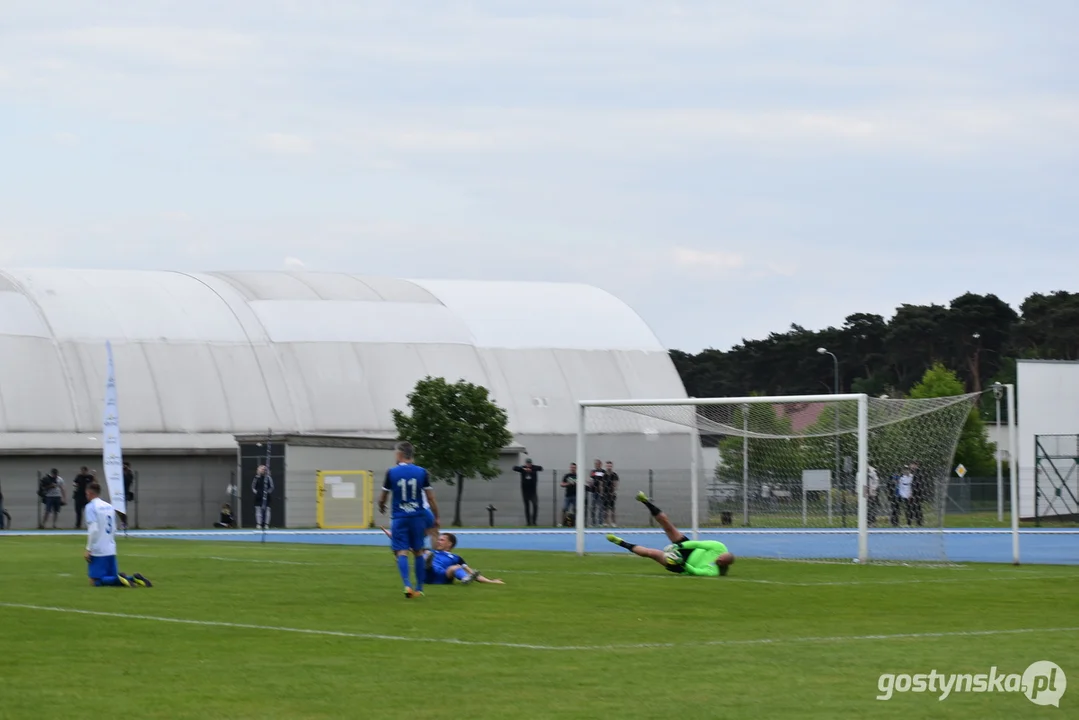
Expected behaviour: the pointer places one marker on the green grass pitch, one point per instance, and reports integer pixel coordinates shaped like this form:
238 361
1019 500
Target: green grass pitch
239 630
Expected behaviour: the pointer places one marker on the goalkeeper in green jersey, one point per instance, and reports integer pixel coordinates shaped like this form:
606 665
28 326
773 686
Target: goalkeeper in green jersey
707 558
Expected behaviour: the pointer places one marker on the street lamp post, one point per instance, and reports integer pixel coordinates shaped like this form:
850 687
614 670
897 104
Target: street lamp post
835 412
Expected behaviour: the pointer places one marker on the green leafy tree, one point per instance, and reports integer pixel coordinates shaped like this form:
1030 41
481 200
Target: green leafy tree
974 449
820 447
774 460
457 430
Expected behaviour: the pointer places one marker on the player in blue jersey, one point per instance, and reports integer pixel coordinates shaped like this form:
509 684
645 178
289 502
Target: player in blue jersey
408 483
444 565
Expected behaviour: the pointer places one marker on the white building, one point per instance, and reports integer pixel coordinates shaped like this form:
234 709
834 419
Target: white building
203 357
1047 404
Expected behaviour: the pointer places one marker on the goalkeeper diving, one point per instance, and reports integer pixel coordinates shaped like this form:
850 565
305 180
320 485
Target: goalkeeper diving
705 558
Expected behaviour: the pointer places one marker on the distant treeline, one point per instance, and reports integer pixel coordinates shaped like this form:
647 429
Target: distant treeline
977 336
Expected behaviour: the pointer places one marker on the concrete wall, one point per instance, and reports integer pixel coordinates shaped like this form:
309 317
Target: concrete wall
172 491
303 465
667 457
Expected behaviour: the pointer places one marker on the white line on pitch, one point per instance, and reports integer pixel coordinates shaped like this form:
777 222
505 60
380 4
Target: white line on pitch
529 646
783 583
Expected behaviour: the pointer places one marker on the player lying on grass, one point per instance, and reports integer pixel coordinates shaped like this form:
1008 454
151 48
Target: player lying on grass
692 557
100 554
445 566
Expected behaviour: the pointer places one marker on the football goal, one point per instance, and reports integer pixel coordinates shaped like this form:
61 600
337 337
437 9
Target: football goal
814 477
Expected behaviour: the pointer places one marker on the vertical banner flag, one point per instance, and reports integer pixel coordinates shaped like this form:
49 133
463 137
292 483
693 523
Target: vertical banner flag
112 456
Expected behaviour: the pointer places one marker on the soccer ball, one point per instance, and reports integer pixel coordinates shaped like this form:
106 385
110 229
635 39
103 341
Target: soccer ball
674 556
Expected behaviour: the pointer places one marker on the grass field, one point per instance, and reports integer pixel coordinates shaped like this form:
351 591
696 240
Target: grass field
242 630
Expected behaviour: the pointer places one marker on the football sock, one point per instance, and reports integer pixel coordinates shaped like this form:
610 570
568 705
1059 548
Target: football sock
627 545
460 573
402 567
421 570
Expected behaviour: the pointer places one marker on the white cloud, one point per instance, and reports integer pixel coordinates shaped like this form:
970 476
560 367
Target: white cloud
285 143
176 47
707 259
596 140
292 263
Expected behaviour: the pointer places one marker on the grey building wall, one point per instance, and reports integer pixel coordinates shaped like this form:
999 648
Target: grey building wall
303 465
172 491
183 491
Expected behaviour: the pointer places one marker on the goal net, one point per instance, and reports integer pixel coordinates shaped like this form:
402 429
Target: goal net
795 477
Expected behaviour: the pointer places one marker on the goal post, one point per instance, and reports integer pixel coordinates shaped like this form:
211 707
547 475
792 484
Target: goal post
836 476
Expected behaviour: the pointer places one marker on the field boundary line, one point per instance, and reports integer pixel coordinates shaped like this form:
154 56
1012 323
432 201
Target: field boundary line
528 646
655 576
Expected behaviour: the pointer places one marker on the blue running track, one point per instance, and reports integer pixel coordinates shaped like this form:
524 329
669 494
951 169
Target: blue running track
1036 546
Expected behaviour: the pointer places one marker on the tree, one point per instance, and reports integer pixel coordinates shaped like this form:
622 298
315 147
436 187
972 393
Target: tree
980 326
457 430
1049 328
916 338
974 450
774 460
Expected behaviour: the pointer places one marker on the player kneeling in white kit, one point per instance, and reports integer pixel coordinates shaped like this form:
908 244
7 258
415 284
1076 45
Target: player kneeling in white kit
101 543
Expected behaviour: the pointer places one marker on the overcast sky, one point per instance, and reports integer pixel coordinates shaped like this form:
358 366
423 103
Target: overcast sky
726 168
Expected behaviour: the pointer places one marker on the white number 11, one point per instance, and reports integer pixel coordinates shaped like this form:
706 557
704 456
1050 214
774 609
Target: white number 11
411 494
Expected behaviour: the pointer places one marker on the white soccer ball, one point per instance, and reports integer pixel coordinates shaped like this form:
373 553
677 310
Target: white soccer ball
674 556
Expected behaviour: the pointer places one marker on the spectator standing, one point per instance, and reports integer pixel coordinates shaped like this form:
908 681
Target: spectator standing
905 493
529 485
595 488
610 493
569 505
53 496
78 493
5 519
872 489
262 488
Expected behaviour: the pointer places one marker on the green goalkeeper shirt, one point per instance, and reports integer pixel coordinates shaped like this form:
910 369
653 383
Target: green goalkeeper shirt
702 561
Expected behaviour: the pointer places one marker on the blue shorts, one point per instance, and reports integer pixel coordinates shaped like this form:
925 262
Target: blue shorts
408 533
102 566
437 576
430 517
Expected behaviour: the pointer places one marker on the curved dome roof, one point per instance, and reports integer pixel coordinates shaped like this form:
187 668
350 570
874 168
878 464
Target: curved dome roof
327 353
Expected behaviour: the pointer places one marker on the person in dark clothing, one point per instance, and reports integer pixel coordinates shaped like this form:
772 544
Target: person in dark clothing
610 494
596 505
529 481
569 505
78 492
51 491
129 481
227 520
262 487
5 519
